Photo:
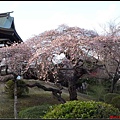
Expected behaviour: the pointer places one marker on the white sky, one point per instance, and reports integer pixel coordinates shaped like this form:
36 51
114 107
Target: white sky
34 17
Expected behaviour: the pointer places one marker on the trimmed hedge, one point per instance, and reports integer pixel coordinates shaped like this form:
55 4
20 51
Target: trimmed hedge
34 112
116 102
82 109
109 96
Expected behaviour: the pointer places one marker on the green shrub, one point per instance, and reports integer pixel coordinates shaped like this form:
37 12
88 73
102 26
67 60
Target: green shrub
34 112
109 96
116 102
9 88
82 109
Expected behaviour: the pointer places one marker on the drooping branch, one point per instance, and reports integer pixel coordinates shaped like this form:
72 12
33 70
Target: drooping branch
57 93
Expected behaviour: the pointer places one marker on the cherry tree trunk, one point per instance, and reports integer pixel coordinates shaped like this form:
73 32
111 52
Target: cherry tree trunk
72 89
115 79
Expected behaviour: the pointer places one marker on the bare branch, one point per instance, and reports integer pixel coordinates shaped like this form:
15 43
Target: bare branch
57 93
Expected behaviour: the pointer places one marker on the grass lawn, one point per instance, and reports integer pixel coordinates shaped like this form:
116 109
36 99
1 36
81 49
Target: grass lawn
35 97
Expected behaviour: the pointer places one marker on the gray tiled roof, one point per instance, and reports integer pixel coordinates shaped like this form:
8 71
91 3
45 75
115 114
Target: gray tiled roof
6 20
8 33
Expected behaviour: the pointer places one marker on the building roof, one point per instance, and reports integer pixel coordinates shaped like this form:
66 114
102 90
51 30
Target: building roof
8 34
